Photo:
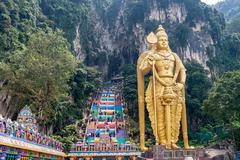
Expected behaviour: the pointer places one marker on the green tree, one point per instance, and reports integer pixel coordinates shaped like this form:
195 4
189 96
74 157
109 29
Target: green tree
136 11
130 89
233 26
66 15
17 20
198 85
39 72
223 105
84 83
68 136
182 34
225 56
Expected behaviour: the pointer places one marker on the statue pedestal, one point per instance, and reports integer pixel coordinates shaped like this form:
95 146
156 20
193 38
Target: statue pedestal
162 153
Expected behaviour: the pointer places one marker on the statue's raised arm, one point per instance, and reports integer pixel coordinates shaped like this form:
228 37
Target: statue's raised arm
165 97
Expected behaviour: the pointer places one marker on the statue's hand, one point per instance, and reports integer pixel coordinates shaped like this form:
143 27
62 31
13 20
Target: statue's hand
171 83
150 58
180 86
177 86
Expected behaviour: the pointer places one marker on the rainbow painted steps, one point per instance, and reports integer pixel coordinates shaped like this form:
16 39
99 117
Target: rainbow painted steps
105 136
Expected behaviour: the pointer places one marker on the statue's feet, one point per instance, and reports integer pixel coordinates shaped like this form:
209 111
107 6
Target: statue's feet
163 143
188 147
144 149
175 146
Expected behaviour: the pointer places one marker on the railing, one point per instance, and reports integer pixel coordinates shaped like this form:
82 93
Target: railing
104 147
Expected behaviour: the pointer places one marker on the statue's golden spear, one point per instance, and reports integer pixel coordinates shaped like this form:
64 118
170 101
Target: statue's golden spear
154 101
151 39
155 107
184 123
140 79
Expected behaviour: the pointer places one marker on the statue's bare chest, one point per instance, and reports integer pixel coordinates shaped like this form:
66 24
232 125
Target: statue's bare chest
165 65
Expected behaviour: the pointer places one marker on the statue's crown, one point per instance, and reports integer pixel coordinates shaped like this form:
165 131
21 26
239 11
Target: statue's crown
161 32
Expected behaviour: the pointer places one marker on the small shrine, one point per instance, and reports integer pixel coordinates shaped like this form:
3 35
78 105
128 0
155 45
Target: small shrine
27 118
21 139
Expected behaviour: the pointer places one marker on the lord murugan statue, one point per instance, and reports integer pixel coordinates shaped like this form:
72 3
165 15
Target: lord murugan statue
165 94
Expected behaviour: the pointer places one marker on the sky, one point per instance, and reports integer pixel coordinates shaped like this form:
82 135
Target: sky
210 2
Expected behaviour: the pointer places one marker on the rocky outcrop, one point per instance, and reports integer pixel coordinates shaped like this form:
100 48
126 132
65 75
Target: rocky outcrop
77 45
230 9
118 35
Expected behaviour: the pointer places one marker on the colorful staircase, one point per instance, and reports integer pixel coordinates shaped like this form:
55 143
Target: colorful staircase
105 134
106 124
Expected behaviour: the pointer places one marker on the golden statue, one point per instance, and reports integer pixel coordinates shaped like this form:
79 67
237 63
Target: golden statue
165 94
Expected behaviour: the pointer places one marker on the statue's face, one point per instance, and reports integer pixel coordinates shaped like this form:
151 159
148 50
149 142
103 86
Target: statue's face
162 43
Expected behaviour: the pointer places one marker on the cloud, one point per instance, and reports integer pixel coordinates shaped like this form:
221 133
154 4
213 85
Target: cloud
210 2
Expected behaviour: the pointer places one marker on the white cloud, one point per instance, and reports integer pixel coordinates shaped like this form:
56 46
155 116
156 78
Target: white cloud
210 2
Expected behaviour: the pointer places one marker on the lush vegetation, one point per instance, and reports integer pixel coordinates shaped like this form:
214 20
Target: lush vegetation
68 136
65 14
230 9
198 85
38 67
39 72
37 63
232 27
225 55
17 20
223 106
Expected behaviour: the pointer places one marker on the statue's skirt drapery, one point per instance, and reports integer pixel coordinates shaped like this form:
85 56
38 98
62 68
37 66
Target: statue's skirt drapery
175 110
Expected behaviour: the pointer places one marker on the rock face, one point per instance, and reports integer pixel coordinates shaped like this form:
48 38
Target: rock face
230 9
120 28
77 45
111 33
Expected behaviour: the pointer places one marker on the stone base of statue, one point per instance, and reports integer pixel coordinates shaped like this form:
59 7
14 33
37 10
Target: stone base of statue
162 153
147 155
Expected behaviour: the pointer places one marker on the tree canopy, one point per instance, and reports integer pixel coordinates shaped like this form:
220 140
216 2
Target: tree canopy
223 105
39 72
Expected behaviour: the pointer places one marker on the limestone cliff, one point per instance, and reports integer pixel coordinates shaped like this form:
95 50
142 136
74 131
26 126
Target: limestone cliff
120 27
111 33
230 9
